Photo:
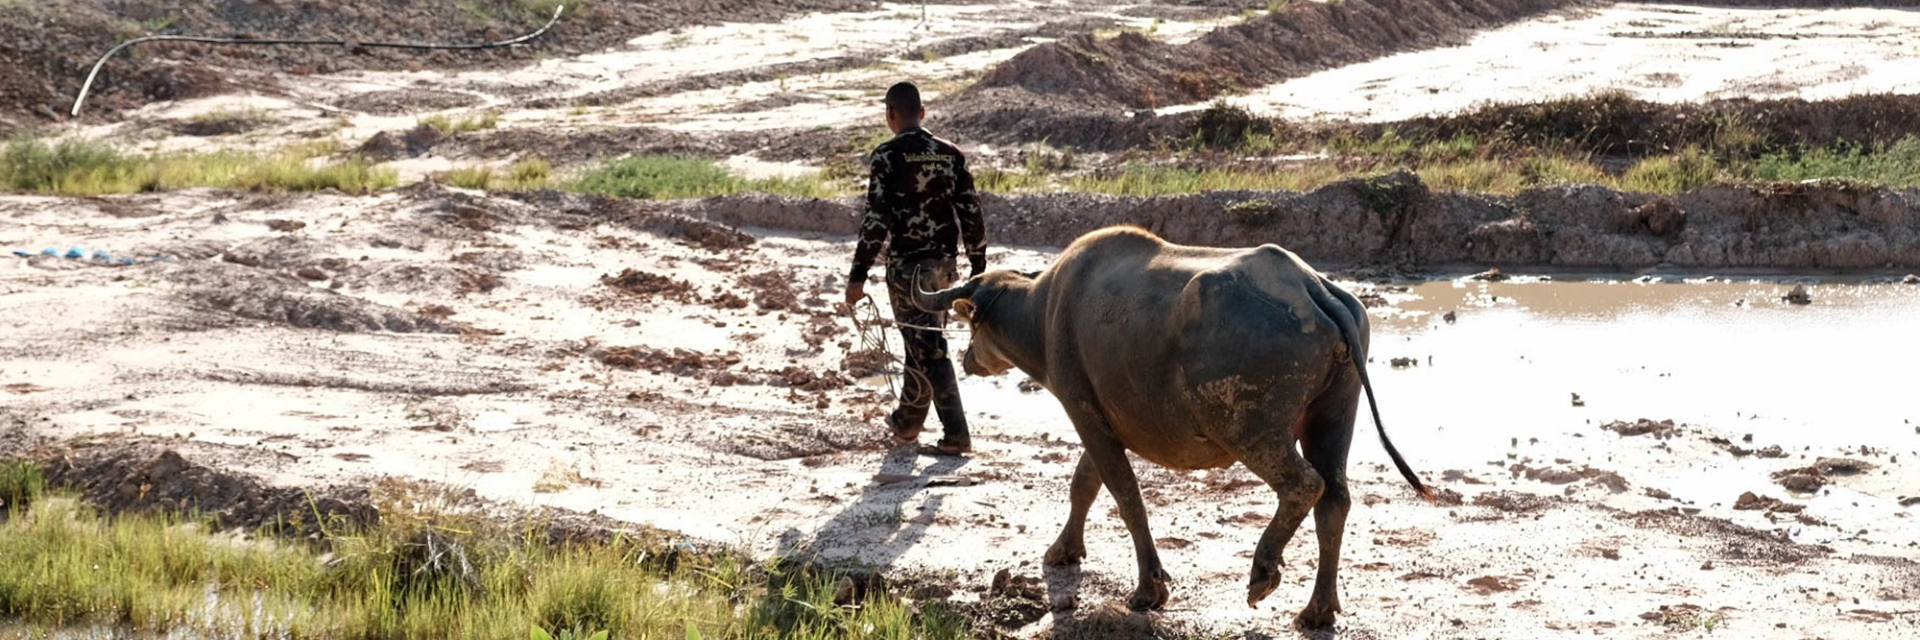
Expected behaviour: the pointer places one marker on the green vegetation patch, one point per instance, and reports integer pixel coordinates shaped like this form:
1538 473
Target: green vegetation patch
419 574
89 169
674 177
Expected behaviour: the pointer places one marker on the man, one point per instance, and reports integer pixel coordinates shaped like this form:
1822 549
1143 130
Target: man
921 196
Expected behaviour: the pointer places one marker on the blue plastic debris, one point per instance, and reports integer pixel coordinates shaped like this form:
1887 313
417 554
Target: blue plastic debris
98 255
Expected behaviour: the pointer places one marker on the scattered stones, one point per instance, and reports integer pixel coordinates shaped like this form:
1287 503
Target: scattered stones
1402 363
285 226
1663 429
1750 501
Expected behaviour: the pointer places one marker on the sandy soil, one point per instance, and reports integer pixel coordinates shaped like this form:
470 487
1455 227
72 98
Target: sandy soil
1659 52
435 335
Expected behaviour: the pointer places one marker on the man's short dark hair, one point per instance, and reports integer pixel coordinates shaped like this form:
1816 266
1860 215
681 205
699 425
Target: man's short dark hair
903 98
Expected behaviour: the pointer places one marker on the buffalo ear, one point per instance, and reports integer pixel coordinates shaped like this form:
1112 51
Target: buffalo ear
964 308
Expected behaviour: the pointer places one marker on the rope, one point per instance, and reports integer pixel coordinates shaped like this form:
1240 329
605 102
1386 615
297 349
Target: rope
88 85
872 327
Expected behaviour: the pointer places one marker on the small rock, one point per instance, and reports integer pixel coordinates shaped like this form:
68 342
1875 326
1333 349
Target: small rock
1798 295
1490 275
1028 385
286 225
1577 401
1450 317
843 592
311 273
1402 363
1908 502
1911 279
1706 566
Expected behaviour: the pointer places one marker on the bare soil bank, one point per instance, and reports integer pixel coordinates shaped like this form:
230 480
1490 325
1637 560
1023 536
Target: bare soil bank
56 44
1100 94
1396 220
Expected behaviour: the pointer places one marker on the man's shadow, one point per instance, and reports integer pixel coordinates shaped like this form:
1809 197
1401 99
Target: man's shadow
880 507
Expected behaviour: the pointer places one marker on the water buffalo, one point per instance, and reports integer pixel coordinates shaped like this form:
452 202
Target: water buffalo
1193 358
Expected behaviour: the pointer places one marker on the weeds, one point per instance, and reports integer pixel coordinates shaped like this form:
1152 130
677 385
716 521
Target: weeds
430 569
674 177
21 483
86 169
449 126
526 175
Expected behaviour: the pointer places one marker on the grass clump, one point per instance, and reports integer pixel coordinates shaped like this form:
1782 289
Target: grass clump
1895 165
674 177
87 169
427 571
524 175
448 125
21 483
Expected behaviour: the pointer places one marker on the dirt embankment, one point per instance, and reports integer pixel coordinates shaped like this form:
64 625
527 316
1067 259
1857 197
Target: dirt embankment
1397 220
1130 71
54 44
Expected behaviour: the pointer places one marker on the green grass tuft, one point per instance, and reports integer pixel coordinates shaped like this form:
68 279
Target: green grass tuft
674 177
88 169
21 483
449 126
426 571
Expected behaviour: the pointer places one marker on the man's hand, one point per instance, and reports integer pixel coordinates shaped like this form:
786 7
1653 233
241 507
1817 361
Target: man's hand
855 291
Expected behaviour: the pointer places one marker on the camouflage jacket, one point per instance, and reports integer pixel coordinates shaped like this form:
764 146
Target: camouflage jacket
920 195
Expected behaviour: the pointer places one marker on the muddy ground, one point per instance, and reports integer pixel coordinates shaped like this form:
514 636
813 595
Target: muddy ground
680 365
589 354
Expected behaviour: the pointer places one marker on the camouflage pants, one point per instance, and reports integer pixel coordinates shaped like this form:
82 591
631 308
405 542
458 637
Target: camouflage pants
929 380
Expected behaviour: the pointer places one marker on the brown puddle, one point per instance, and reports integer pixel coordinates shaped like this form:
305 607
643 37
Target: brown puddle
1727 359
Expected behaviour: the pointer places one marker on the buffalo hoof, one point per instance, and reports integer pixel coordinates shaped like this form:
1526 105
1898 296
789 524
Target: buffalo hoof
1316 618
1152 594
1062 554
1261 585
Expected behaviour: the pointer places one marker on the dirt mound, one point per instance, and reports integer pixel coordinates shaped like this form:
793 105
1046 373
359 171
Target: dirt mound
276 297
400 102
679 362
1735 542
50 45
648 285
1663 429
772 290
388 145
576 210
576 147
1131 71
794 441
1615 124
131 477
1396 220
